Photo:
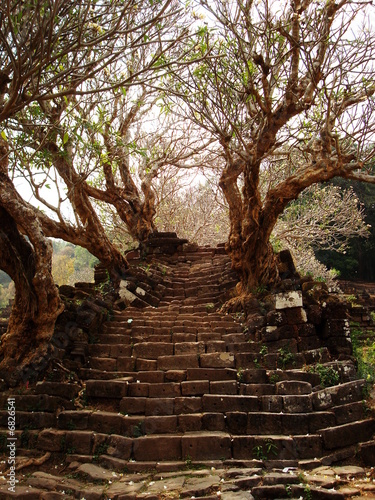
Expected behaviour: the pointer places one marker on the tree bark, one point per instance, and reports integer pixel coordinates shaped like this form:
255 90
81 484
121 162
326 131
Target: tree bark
251 252
37 303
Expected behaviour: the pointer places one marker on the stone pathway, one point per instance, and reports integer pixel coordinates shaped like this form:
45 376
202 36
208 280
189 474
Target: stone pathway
91 482
180 400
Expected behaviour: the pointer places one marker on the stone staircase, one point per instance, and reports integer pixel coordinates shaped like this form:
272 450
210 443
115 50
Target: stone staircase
182 383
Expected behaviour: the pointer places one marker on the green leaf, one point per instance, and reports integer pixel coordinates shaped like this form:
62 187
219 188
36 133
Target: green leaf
3 135
66 138
123 90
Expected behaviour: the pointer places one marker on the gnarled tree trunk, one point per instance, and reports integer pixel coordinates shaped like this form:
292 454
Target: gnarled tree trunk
249 239
37 303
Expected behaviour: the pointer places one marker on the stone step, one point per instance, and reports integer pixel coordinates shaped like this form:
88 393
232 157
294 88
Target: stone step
109 350
235 423
348 434
338 395
29 419
85 431
114 389
59 389
282 491
37 402
91 374
109 338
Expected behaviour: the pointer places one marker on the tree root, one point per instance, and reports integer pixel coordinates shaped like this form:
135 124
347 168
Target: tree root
244 303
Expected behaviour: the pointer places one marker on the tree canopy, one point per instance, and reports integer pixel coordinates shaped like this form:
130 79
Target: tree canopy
102 106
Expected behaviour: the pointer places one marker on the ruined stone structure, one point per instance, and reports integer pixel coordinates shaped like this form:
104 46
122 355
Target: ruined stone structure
167 379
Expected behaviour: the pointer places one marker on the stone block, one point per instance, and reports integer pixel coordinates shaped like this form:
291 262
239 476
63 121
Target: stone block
133 426
66 391
125 364
208 336
320 355
348 434
295 315
138 389
288 300
116 389
217 360
243 447
367 453
160 425
255 376
184 337
297 404
322 400
223 387
271 403
195 387
190 422
80 442
349 412
178 362
342 394
215 346
245 360
165 390
51 440
142 364
257 389
190 404
211 374
320 420
175 375
106 422
213 422
236 422
293 387
152 350
276 318
223 403
133 406
159 406
243 347
206 446
73 419
104 364
306 330
120 447
263 423
35 420
148 448
120 350
294 423
189 348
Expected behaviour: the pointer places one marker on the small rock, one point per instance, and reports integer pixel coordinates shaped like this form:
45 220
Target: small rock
97 473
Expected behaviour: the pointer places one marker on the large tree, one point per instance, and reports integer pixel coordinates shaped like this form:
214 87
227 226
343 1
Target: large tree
280 79
51 54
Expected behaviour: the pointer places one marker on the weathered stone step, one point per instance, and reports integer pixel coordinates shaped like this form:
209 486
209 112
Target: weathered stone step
58 389
348 434
235 423
115 389
282 491
114 338
202 445
91 374
37 402
109 350
29 419
338 395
